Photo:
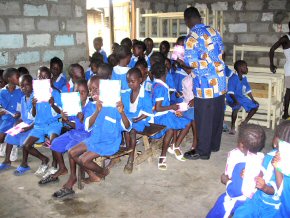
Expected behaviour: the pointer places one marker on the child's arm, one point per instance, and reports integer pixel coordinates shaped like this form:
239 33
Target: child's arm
25 129
54 107
93 118
279 175
224 179
125 120
142 117
236 102
34 101
252 98
260 184
66 120
160 108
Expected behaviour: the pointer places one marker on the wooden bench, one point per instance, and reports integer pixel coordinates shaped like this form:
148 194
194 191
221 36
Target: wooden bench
149 131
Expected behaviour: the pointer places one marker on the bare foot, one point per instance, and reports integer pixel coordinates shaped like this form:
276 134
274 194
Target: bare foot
91 179
60 172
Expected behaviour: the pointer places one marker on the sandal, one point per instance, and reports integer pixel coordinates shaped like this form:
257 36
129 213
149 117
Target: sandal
178 154
171 150
162 165
63 192
21 170
4 166
47 180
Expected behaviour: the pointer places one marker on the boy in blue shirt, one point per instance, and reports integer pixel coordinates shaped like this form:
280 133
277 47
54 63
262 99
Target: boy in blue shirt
58 77
98 44
238 89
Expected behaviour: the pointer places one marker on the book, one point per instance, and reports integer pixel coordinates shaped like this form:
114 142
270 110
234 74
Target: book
42 90
110 92
16 129
71 103
284 164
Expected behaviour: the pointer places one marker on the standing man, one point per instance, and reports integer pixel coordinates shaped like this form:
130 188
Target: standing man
203 54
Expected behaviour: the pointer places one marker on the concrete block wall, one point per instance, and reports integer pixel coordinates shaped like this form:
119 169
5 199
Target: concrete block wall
245 21
32 32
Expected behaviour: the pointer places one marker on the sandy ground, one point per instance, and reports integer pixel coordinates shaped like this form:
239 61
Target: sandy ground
186 189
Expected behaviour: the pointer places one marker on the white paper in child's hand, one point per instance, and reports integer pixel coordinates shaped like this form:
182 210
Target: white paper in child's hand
252 170
182 106
42 90
71 103
110 92
284 164
16 129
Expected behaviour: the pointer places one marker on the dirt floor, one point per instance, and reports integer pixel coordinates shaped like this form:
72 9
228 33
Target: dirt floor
186 189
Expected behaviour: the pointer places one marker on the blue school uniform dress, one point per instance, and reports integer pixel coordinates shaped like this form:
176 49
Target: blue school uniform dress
228 202
103 53
120 73
10 101
179 75
69 87
73 137
142 105
89 73
46 119
148 84
60 82
240 88
160 92
284 209
134 60
26 116
106 132
262 204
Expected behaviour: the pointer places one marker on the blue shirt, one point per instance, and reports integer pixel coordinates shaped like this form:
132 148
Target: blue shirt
160 92
237 87
11 101
89 74
69 87
26 110
134 60
103 53
120 73
60 82
203 52
45 114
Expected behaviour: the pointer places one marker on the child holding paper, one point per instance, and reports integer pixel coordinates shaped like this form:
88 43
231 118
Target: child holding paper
120 71
63 143
26 117
164 114
58 77
46 116
266 201
106 125
138 108
251 139
76 73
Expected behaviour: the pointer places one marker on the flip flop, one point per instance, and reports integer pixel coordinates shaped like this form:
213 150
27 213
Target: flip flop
63 192
47 180
4 166
21 170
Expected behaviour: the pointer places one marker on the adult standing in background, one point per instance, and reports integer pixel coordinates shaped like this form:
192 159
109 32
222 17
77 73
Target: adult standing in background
284 41
203 54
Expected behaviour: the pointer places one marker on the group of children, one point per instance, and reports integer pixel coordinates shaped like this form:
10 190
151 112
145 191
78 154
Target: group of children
154 89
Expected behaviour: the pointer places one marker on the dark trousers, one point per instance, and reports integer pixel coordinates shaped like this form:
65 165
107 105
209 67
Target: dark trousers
209 117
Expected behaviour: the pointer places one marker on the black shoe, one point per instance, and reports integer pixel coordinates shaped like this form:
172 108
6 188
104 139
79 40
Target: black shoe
63 192
47 180
190 154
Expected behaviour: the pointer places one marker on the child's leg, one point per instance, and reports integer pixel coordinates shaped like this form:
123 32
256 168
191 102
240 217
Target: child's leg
62 170
127 139
129 166
29 142
194 133
25 154
54 158
166 140
182 134
234 118
250 115
7 154
2 137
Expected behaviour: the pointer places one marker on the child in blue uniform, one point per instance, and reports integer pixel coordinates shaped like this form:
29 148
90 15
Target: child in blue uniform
58 77
139 48
106 125
164 49
238 89
251 138
120 71
10 101
138 109
76 73
63 143
93 69
26 117
46 123
147 77
98 44
164 115
149 47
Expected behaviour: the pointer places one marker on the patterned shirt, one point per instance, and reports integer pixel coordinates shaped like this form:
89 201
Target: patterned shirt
203 52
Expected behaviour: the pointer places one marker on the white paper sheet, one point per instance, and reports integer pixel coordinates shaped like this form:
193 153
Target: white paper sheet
16 129
284 164
71 103
42 90
252 170
182 106
110 92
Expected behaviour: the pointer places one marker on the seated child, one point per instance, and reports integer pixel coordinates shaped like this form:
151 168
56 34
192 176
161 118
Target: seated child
238 88
164 49
139 48
76 73
251 139
26 117
120 71
106 125
10 101
149 47
58 77
266 201
63 143
23 70
46 115
147 77
98 44
164 114
93 69
138 108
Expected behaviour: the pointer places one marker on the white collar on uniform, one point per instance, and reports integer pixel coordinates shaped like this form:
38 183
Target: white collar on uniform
142 91
161 82
16 87
120 70
149 55
59 77
71 84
